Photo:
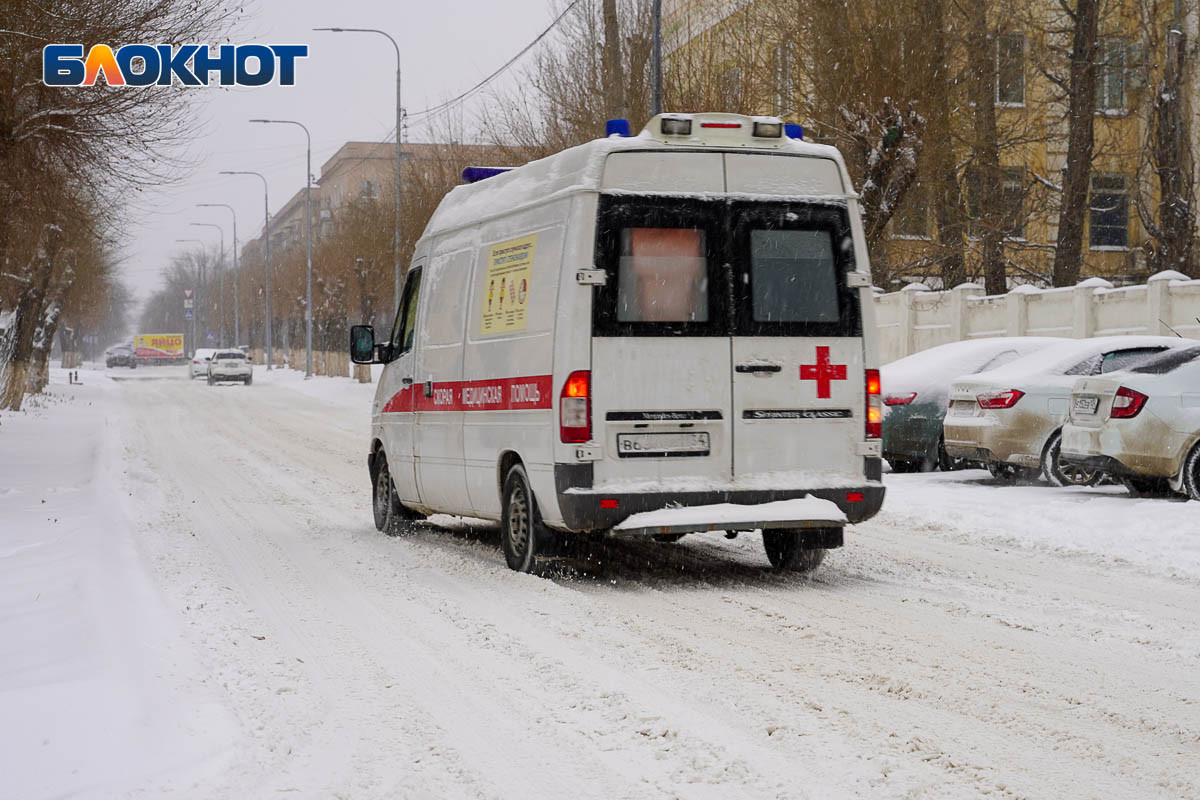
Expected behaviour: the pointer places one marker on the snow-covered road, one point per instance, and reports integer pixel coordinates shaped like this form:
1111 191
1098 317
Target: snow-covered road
971 641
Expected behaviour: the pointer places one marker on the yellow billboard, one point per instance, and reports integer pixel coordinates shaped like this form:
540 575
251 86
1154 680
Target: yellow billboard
158 345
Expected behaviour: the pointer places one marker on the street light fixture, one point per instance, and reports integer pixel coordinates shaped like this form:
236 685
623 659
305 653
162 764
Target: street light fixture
221 271
398 267
267 246
307 240
237 328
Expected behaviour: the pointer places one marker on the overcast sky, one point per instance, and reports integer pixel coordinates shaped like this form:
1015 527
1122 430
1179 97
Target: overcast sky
344 91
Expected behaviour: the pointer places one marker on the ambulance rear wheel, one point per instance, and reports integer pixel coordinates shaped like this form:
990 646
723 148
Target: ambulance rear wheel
384 502
784 551
521 532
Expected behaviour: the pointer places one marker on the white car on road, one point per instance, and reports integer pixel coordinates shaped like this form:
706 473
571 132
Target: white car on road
199 366
1141 424
1011 418
230 365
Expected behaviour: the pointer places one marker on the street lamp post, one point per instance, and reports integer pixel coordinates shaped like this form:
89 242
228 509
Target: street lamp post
237 328
307 240
266 246
196 299
221 271
397 267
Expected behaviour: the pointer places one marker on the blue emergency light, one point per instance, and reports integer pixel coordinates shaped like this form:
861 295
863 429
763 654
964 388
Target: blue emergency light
477 174
793 131
620 127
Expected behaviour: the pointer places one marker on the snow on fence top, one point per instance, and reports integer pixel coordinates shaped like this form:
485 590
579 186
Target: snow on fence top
915 319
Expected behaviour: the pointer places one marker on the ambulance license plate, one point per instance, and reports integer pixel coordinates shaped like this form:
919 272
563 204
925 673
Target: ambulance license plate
634 445
1086 404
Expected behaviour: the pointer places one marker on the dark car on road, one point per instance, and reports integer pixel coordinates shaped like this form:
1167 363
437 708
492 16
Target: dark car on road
120 357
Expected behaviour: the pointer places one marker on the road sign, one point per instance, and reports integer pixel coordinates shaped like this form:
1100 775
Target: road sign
187 313
188 303
210 338
187 293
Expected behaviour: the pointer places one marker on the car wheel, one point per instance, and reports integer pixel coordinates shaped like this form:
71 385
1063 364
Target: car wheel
1191 473
784 551
522 534
1059 473
383 496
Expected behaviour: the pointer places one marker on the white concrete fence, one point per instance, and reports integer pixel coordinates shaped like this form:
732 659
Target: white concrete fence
915 318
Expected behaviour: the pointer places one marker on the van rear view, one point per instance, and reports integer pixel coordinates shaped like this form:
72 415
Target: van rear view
650 335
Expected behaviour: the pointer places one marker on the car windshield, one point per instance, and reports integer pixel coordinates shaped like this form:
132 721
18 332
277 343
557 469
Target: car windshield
1168 361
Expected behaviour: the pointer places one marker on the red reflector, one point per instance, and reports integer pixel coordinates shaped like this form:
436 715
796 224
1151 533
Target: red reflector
720 124
854 497
609 502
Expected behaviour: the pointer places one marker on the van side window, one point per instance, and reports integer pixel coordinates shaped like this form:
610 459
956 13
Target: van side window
662 275
406 321
793 276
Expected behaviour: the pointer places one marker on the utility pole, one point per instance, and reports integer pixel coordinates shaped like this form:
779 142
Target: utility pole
398 267
237 330
308 360
656 96
266 247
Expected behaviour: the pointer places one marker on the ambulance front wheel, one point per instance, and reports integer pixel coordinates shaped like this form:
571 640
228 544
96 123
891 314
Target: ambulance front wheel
522 533
784 551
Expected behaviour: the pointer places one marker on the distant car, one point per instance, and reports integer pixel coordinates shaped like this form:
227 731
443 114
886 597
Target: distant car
199 364
1141 424
230 365
916 389
120 357
1011 418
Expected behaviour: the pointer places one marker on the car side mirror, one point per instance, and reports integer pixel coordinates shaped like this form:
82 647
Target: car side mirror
362 344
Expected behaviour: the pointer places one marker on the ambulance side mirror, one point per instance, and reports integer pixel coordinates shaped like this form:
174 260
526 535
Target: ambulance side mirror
362 344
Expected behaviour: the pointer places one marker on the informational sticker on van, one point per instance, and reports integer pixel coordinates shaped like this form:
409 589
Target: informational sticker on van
506 285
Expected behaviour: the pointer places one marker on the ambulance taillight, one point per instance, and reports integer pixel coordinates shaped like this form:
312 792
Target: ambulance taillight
575 408
874 407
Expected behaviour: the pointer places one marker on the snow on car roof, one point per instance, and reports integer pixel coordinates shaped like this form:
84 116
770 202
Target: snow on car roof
572 170
1061 357
941 364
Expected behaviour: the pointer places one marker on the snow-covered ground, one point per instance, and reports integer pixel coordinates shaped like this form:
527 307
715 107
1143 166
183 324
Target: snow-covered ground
195 603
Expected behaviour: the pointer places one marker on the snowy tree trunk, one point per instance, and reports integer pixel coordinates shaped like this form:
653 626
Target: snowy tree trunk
1068 256
981 62
1176 211
947 199
30 308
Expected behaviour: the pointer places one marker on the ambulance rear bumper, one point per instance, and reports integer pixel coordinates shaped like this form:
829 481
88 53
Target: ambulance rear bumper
585 509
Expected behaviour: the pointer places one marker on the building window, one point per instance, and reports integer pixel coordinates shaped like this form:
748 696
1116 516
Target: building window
1112 57
1010 70
785 78
912 218
366 188
1108 215
1011 205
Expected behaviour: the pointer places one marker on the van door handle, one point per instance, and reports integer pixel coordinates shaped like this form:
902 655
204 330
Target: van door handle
758 368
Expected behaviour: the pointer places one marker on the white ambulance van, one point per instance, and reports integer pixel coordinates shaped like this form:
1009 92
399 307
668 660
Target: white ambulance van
642 335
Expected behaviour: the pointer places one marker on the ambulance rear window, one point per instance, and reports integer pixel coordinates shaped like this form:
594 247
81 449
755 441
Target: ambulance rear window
793 276
662 275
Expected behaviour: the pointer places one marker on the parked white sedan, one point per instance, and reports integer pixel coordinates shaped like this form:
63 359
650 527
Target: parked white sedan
1011 418
230 365
200 359
1141 424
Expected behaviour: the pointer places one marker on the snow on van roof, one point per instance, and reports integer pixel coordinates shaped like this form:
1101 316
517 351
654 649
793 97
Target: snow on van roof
573 170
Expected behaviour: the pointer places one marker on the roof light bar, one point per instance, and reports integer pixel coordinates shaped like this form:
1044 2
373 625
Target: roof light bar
477 174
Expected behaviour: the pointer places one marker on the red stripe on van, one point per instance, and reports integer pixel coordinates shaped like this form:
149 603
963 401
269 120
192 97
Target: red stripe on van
489 394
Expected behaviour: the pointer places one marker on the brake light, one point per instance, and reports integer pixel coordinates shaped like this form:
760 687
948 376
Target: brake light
1127 404
1005 399
899 399
720 124
874 409
575 408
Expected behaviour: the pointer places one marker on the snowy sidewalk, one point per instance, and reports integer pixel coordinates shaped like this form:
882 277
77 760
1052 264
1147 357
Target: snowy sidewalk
97 688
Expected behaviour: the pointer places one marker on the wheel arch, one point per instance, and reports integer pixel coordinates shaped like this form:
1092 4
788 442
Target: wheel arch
507 460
